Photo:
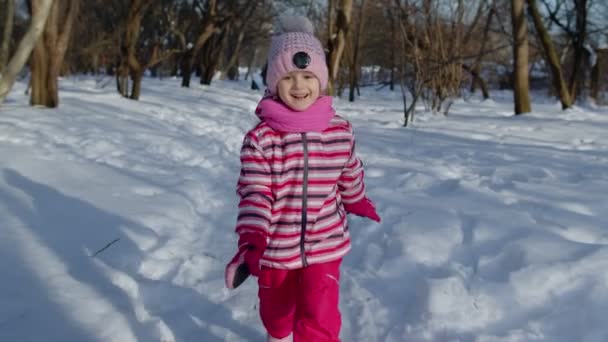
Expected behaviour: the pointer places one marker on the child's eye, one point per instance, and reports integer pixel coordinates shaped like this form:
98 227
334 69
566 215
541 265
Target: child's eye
307 76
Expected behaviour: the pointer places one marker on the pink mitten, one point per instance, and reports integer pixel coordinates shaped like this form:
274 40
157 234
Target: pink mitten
246 261
364 208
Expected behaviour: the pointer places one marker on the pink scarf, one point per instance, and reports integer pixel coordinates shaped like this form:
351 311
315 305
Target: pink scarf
280 117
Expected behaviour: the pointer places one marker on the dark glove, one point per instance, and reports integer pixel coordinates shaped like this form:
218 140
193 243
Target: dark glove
246 261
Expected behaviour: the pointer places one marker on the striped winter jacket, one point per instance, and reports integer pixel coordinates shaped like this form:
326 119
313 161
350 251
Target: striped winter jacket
292 186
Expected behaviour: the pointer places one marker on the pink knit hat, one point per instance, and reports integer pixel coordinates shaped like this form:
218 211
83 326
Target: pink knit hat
295 48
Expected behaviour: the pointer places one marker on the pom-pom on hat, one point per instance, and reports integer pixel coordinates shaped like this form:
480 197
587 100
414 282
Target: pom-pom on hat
295 48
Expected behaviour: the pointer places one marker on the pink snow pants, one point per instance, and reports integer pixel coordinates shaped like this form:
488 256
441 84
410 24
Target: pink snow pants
302 301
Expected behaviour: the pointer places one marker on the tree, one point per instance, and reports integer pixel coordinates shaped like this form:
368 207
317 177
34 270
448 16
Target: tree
257 34
8 10
208 28
560 13
577 77
355 65
25 47
596 74
136 57
409 61
129 65
212 53
521 87
240 18
49 52
475 67
551 56
432 51
95 42
339 17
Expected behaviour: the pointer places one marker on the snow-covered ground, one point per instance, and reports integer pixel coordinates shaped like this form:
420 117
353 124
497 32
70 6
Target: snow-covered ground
116 219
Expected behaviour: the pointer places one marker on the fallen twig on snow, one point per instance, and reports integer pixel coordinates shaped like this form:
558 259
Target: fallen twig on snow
105 247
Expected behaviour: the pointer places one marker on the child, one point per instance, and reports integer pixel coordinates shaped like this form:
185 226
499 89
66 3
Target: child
299 177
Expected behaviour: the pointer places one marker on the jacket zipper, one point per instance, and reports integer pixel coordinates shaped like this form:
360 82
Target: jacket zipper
304 201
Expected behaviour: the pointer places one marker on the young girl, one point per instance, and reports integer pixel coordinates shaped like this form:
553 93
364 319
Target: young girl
299 178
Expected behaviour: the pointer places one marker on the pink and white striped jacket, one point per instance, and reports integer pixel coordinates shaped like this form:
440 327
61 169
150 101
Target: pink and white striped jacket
290 178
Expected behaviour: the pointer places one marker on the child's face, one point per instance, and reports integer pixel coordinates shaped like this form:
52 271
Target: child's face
298 89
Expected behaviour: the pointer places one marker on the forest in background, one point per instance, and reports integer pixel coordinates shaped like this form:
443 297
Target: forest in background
433 51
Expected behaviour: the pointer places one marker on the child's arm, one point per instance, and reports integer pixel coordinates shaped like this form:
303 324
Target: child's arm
254 188
255 211
352 187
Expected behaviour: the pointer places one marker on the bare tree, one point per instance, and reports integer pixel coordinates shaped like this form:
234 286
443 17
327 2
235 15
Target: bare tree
409 60
129 65
136 58
207 29
597 71
242 15
339 18
551 56
355 44
432 51
25 46
257 35
8 11
393 46
577 77
576 29
213 52
475 67
521 87
95 46
49 52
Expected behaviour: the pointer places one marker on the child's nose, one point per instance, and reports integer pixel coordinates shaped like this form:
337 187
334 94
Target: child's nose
297 82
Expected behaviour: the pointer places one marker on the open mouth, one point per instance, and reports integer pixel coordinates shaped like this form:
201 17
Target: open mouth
300 96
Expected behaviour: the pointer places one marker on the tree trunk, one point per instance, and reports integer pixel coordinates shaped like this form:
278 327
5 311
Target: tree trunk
129 65
50 51
552 59
201 41
186 68
415 90
475 69
478 81
243 14
208 29
26 45
44 86
521 86
250 61
337 38
136 77
596 75
229 68
39 70
577 77
355 67
212 56
136 70
393 63
8 8
122 77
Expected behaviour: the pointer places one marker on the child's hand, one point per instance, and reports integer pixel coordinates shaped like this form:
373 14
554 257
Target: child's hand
246 260
364 208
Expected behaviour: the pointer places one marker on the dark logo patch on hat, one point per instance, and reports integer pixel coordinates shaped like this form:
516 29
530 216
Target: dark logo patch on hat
301 60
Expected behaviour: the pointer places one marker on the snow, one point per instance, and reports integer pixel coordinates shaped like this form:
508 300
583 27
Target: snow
117 217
